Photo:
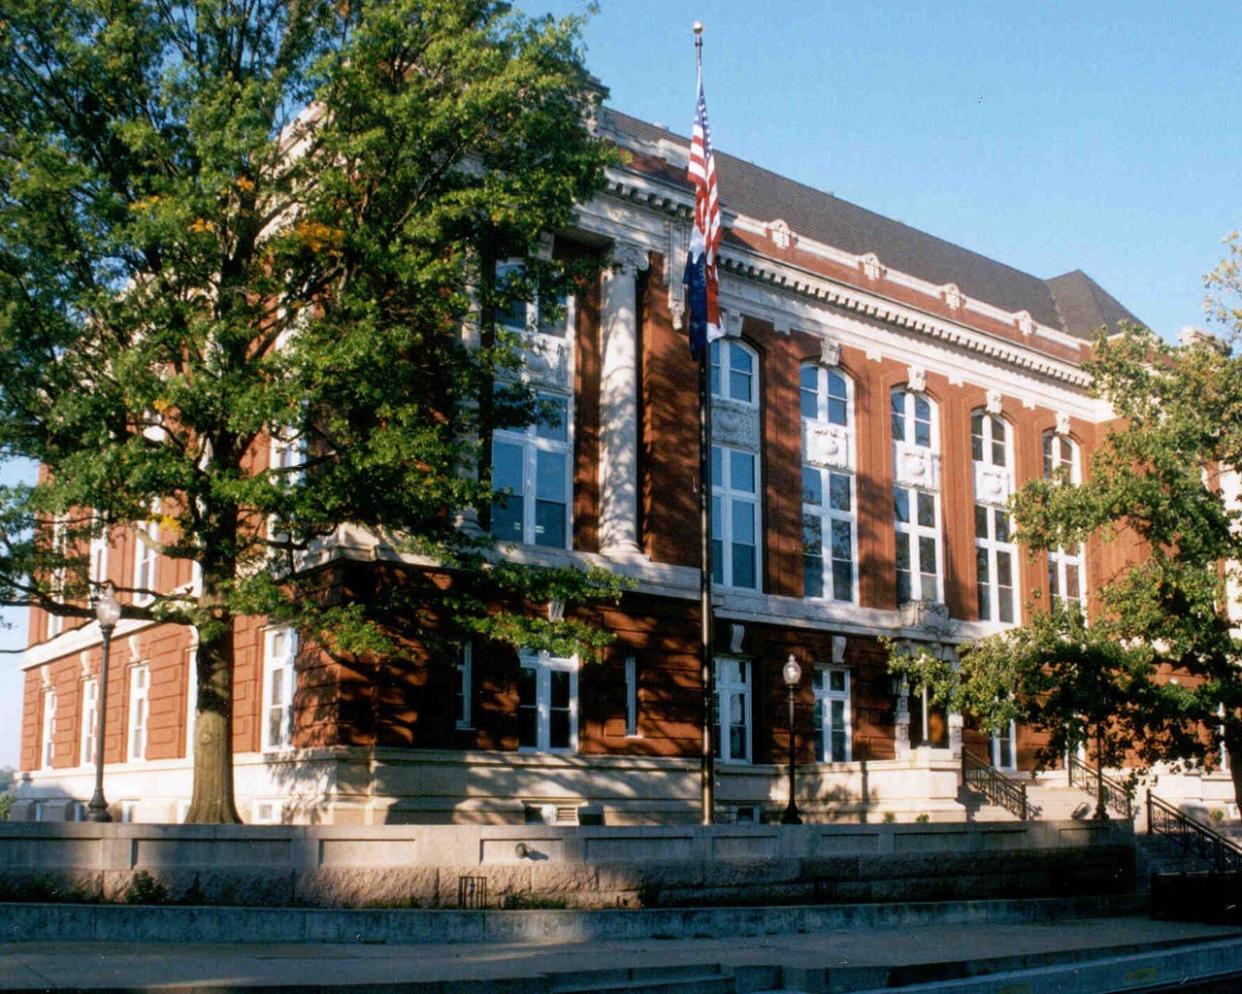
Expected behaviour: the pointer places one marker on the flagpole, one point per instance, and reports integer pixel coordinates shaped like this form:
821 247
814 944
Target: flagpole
707 661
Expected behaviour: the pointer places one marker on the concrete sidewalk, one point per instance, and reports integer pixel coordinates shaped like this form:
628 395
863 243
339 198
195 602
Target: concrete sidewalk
841 960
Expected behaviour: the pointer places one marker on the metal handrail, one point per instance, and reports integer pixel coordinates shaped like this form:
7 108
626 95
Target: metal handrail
1117 796
994 785
1195 837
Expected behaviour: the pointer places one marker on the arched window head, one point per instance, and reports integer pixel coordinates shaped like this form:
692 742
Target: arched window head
1061 458
914 419
825 395
735 369
990 439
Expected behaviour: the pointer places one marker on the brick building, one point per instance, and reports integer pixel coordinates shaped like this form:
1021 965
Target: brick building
879 395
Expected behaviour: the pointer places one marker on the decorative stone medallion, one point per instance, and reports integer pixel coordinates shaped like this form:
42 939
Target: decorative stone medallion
735 425
915 466
991 484
826 445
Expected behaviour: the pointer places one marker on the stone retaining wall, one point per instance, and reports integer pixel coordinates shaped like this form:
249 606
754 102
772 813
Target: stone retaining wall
580 867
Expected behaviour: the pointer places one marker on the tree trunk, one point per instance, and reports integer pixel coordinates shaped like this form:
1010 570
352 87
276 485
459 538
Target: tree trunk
212 800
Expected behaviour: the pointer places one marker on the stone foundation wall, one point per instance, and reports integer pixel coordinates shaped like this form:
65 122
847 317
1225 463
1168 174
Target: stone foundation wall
561 867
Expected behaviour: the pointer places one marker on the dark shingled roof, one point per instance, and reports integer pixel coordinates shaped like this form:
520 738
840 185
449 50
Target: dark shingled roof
1074 303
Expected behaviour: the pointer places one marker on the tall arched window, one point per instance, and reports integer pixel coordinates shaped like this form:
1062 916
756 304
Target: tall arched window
532 465
829 518
916 496
1065 565
996 556
736 548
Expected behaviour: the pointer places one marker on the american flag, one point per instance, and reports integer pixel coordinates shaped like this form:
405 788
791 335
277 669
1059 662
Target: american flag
700 275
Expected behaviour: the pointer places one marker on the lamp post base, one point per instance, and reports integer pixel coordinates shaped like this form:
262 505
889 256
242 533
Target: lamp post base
97 810
791 816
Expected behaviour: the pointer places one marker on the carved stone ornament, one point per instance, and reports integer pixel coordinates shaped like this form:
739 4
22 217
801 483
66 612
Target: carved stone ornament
915 466
546 362
780 234
546 244
838 648
677 309
991 485
1063 423
45 677
1025 323
930 617
731 323
829 352
629 258
736 634
674 265
782 324
916 378
84 658
735 424
952 295
871 266
994 402
827 445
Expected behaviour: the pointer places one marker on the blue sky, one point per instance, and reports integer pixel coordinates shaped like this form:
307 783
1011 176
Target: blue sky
1053 136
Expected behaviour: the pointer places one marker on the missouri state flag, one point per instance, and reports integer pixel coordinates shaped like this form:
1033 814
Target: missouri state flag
700 276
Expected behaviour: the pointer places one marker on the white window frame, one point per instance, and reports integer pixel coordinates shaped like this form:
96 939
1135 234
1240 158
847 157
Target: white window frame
631 697
532 443
286 461
996 744
1062 559
825 696
989 546
543 664
147 558
464 674
909 420
911 532
823 511
721 384
191 699
99 552
90 721
283 662
534 324
48 755
137 727
722 521
273 815
725 689
56 622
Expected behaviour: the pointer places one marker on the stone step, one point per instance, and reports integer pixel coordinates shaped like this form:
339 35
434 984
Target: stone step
645 980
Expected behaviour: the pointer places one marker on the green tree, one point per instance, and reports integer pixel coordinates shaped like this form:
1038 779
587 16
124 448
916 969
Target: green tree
1156 477
224 221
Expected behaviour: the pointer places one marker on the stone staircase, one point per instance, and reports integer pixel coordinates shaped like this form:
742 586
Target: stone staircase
1160 854
1052 798
693 979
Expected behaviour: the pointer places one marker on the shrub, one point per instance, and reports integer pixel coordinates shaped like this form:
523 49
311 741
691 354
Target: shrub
145 889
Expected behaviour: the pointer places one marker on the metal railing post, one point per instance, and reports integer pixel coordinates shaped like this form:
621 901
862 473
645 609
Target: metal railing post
1149 832
1024 807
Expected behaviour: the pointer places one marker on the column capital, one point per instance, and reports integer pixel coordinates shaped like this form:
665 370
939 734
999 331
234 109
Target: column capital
629 258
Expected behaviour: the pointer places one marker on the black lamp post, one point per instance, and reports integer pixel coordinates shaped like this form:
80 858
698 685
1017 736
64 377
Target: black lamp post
792 673
108 613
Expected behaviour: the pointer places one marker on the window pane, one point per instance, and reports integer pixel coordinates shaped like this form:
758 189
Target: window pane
901 505
1047 456
550 524
903 552
743 522
976 437
922 434
842 543
1002 526
981 565
927 555
558 729
1004 569
528 713
739 386
838 412
743 566
507 518
839 492
1004 598
809 380
1072 588
717 467
717 561
741 471
981 521
1054 588
812 534
507 467
842 580
897 407
812 486
812 576
553 316
559 681
550 475
717 517
553 419
927 510
739 359
836 680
